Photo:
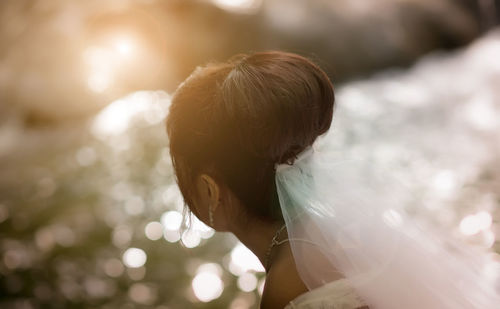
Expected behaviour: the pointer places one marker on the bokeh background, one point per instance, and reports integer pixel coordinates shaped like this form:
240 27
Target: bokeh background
90 216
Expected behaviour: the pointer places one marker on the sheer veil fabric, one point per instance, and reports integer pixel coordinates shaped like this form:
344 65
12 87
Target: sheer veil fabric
346 219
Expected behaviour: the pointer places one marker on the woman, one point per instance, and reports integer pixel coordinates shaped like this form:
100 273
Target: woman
243 141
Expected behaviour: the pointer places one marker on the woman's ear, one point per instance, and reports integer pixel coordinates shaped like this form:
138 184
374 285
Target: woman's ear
210 190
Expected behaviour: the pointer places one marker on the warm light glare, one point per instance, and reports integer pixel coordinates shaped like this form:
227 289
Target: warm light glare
247 282
207 286
116 118
469 225
248 6
172 196
171 220
103 61
154 230
124 46
172 236
211 268
201 228
134 257
473 224
481 112
190 238
445 182
99 81
243 260
100 63
484 220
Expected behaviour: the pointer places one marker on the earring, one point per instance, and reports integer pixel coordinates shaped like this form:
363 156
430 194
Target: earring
210 216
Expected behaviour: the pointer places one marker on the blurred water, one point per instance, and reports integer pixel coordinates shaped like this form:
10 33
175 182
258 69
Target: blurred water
90 215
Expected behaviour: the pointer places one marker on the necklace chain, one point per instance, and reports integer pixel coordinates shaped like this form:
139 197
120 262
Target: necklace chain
274 242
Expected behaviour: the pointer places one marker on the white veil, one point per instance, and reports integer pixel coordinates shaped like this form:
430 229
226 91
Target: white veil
345 218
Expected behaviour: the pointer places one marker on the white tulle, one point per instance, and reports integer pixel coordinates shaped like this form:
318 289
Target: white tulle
346 219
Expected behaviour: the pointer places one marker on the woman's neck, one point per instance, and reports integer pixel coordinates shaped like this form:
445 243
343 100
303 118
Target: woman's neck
257 236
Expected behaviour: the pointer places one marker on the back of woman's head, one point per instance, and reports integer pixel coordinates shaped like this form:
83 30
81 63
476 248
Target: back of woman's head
237 119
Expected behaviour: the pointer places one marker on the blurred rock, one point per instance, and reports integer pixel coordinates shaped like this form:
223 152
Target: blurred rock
64 60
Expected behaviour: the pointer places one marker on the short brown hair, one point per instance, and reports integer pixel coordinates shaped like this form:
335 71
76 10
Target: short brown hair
240 117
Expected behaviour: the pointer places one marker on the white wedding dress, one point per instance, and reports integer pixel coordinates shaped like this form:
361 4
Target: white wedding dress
337 294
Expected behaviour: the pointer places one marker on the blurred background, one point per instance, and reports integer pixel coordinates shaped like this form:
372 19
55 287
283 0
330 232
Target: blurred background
90 216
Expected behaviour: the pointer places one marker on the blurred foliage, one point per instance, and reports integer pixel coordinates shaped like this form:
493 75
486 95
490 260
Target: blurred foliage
67 199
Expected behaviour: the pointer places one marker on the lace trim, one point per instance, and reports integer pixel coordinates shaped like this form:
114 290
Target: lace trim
334 295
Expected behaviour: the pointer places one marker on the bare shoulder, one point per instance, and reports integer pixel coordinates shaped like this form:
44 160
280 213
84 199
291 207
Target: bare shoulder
283 283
